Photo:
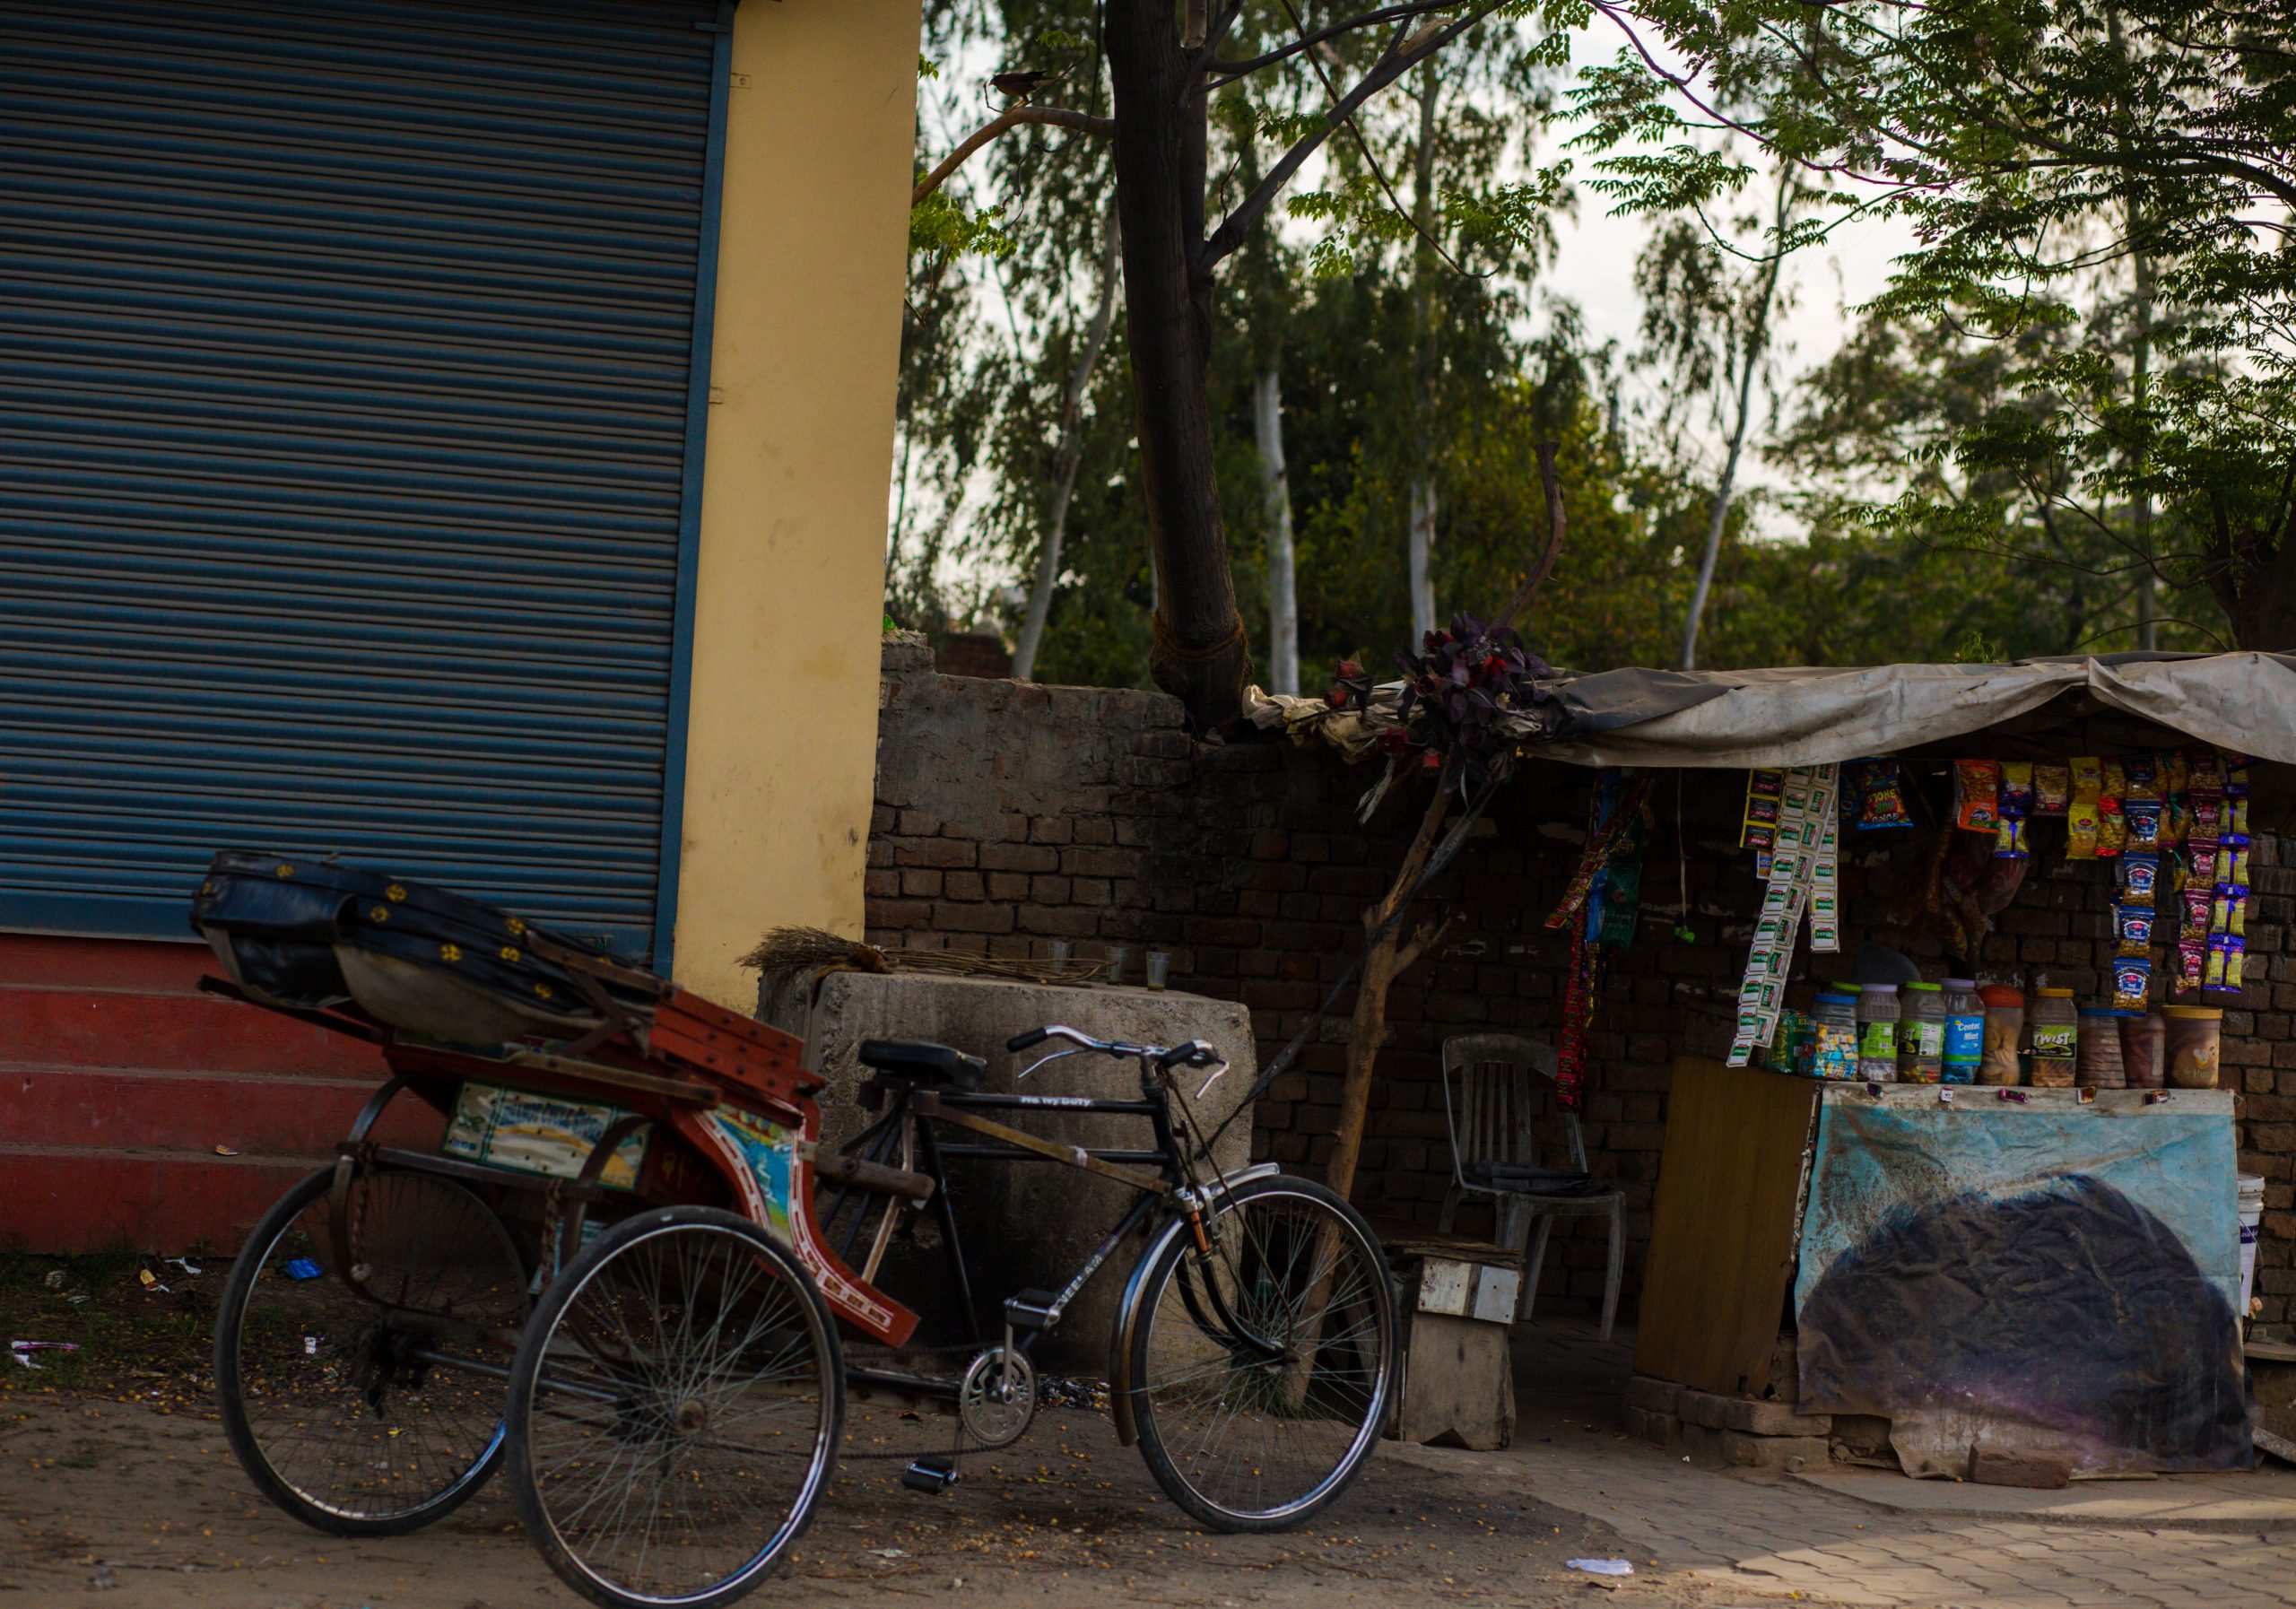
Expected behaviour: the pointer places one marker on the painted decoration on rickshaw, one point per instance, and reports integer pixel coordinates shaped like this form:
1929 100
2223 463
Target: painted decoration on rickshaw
770 1152
541 1134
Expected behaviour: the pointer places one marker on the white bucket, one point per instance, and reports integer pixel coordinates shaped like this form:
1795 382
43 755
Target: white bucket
2251 1203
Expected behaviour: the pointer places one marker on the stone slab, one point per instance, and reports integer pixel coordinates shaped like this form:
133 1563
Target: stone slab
1028 1224
2257 1498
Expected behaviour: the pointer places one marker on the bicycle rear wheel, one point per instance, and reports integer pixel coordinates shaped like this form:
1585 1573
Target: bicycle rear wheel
333 1405
675 1411
1263 1373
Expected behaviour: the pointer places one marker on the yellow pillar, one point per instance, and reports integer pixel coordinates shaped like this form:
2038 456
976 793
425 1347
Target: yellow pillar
781 730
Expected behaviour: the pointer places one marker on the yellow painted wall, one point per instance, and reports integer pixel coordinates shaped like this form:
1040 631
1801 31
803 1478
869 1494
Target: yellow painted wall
781 735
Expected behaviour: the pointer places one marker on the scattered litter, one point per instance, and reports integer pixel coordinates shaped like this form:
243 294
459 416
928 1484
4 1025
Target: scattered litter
104 1578
54 1280
151 1280
310 1346
886 1552
22 1351
304 1268
225 1150
186 1267
1603 1567
76 1297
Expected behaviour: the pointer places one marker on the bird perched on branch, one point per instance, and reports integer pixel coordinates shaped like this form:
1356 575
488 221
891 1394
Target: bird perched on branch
1020 86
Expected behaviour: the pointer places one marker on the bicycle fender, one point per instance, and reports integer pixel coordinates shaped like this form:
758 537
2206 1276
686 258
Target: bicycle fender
1121 1389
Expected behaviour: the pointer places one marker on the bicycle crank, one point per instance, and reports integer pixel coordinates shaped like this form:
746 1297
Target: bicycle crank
998 1397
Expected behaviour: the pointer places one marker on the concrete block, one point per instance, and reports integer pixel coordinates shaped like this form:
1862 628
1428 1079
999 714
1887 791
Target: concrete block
1653 1396
1660 1429
2000 1466
1772 1419
1743 1451
1025 1225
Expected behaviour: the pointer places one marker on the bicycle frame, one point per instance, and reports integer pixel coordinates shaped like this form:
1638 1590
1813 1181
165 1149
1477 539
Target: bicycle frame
1166 1190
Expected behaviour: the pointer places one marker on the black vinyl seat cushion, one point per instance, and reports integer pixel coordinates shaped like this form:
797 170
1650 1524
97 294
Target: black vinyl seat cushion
921 1061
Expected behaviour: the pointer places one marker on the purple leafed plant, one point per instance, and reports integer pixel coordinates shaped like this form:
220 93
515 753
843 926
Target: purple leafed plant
1454 691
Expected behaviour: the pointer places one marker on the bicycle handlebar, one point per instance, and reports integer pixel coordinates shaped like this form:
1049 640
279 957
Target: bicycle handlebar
1195 1053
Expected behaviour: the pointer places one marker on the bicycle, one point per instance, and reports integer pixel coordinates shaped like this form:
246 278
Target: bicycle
1254 1359
621 1277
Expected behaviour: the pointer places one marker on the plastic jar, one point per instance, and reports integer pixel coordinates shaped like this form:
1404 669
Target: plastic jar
1833 1036
1964 1030
2194 1035
2099 1066
2143 1046
2004 1032
1921 1034
2053 1034
1877 1032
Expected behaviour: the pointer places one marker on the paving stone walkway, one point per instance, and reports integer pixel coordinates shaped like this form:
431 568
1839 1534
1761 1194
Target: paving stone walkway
1739 1536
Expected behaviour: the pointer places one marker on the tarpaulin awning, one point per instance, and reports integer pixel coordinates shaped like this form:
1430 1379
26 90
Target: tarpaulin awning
1806 714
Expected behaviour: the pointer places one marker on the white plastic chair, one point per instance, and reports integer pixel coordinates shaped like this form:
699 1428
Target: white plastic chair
1488 1102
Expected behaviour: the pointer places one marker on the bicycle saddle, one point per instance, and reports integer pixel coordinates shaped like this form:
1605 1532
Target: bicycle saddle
924 1062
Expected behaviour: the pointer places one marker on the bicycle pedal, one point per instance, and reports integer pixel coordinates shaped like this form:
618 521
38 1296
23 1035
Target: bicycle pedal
1032 1310
931 1476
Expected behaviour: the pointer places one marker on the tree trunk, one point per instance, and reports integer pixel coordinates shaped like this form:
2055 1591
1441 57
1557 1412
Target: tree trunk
1420 538
1275 497
1067 457
1750 351
1201 652
2140 513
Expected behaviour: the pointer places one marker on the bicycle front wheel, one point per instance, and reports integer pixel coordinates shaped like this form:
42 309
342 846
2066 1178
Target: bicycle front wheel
1263 1373
674 1410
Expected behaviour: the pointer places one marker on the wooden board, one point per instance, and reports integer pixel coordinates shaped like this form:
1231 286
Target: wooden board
1721 1255
1457 1388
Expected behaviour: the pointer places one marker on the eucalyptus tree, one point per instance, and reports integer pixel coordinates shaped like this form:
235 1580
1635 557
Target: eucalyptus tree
2033 147
1166 63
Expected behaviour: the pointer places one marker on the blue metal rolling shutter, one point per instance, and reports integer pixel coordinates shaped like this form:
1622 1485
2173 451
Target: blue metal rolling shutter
349 442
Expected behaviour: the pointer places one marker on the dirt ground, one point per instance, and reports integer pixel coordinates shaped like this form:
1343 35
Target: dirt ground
115 1480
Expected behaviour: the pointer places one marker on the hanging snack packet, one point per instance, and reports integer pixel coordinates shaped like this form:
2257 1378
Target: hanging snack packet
2133 929
2112 827
2009 839
2199 904
2238 926
2236 776
1977 795
2236 965
2082 816
2140 778
2212 975
2144 825
1762 788
2017 797
2207 767
2140 878
2176 790
2132 982
2236 814
1874 794
2052 788
2191 963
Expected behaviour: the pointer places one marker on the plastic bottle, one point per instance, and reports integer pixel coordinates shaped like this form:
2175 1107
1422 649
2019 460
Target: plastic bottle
1834 1030
2053 1034
1921 1034
2004 1032
1964 1030
1877 1032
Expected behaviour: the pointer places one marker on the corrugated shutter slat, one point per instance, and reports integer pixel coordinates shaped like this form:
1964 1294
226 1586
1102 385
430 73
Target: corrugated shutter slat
345 378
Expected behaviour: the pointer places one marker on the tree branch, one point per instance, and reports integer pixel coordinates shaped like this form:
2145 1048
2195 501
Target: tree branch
1389 67
1011 118
1234 70
1544 568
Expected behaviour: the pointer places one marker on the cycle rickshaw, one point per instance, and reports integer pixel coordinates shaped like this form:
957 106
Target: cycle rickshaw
628 1276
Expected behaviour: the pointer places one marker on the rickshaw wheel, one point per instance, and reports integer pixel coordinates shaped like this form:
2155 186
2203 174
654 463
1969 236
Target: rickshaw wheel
675 1411
346 1423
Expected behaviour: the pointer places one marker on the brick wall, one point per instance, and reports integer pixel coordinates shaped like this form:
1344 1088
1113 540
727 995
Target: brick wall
1010 814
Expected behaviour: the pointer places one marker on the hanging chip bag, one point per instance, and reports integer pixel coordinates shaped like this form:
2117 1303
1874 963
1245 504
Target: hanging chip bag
1977 795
